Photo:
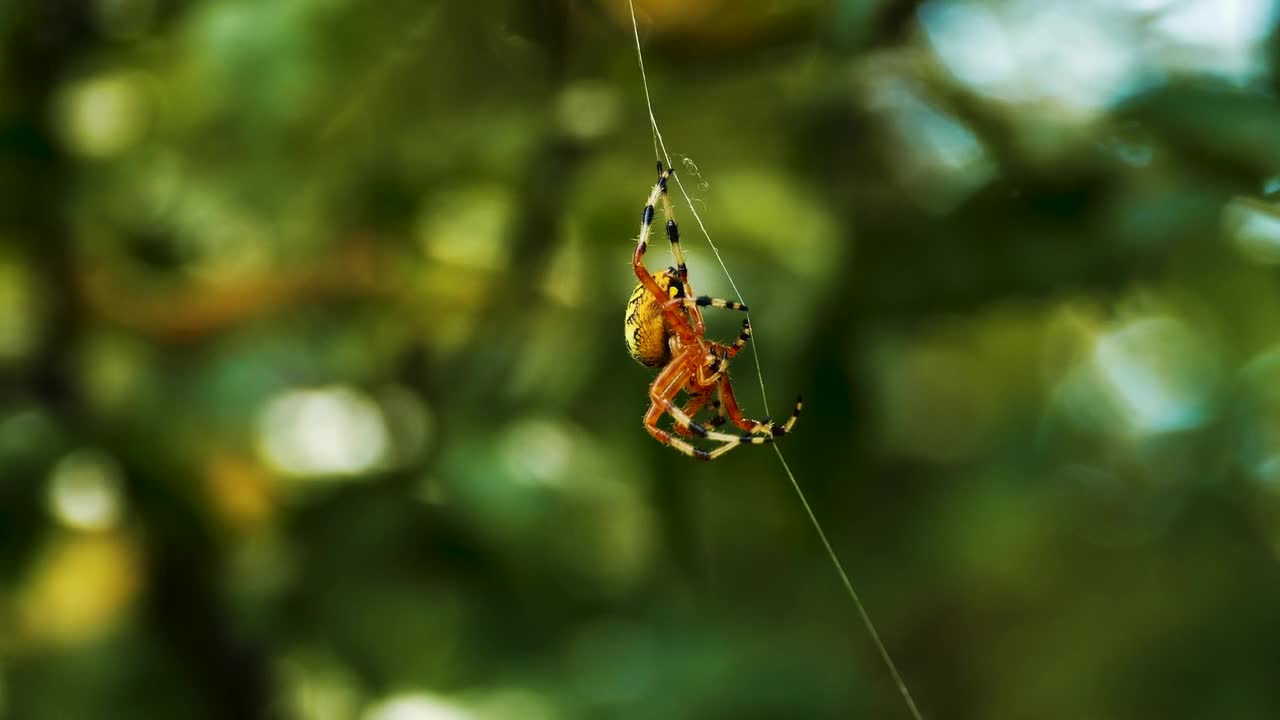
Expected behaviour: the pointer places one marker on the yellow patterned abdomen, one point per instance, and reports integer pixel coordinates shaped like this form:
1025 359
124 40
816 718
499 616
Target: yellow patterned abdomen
646 329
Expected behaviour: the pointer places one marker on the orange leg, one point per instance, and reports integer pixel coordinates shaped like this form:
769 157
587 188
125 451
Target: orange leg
755 426
665 387
691 409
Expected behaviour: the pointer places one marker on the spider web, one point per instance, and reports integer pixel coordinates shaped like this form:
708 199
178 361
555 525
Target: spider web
660 148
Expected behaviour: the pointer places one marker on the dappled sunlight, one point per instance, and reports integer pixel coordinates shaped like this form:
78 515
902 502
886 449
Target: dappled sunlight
103 116
323 432
85 491
316 401
79 589
1151 375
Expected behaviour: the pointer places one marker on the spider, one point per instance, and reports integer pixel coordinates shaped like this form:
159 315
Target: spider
664 328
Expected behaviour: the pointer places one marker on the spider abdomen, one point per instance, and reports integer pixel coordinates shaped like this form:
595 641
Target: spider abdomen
647 333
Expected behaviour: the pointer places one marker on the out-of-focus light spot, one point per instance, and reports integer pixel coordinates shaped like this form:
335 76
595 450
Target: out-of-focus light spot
319 688
1157 374
1002 51
1216 36
323 432
567 269
1260 415
239 490
468 228
1271 186
417 706
1132 154
942 161
971 41
20 318
78 589
113 369
588 110
1255 228
516 703
537 451
105 115
85 491
550 494
765 208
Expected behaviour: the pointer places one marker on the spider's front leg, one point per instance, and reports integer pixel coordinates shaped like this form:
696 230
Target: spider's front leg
706 301
677 320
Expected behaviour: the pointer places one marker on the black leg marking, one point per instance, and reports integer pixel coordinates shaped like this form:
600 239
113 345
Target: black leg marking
647 216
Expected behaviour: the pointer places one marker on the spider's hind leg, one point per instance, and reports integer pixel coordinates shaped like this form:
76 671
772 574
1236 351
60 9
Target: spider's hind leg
762 427
691 409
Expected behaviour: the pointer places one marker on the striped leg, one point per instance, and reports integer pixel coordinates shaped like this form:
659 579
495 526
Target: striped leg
756 426
729 351
666 386
706 300
677 252
676 319
719 418
673 231
682 420
691 409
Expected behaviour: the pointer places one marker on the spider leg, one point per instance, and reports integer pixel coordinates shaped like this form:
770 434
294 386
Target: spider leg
728 351
678 320
705 300
673 231
719 418
691 408
677 252
665 387
755 426
669 383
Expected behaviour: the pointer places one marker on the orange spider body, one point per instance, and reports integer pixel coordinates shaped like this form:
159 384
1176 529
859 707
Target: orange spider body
664 328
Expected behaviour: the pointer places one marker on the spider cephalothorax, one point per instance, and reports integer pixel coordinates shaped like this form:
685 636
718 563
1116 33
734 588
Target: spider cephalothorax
664 328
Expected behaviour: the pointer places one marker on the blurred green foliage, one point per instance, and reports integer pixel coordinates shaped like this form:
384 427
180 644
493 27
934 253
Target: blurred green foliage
314 401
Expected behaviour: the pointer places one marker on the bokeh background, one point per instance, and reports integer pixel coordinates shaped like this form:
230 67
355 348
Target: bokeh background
314 401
